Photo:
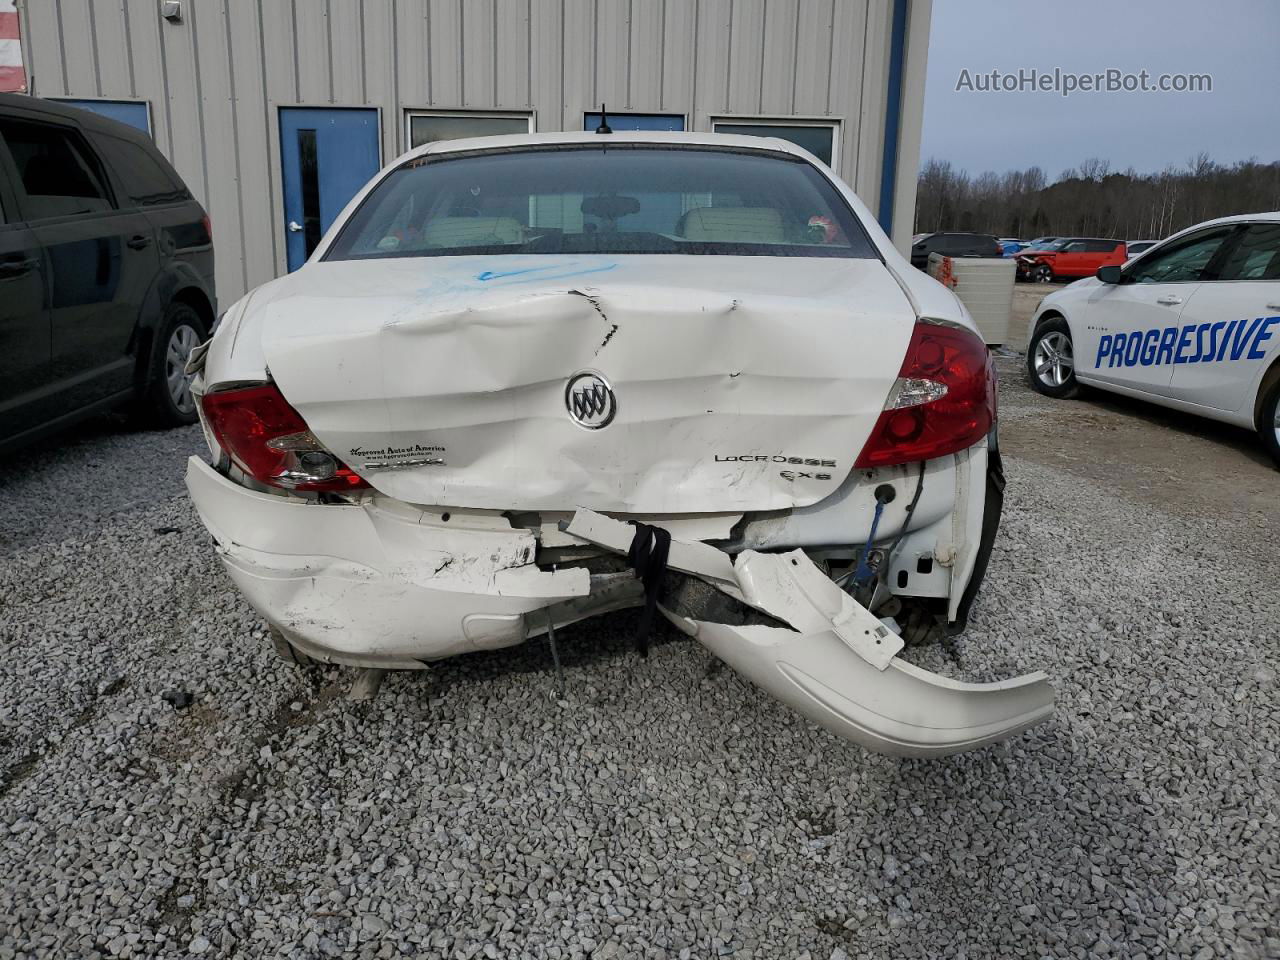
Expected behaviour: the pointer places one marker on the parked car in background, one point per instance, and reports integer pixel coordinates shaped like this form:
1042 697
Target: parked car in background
106 272
953 245
1010 245
1069 258
1193 324
428 440
1135 247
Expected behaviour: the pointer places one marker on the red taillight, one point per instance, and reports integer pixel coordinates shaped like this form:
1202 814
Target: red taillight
944 399
270 441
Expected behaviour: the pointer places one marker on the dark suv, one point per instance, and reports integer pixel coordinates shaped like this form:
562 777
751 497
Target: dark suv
953 245
106 272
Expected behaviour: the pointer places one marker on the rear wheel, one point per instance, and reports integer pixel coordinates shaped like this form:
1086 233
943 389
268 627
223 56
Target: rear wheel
1269 416
168 401
1051 366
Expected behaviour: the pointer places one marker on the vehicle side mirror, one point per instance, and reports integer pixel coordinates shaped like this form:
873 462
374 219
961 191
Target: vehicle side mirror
1109 274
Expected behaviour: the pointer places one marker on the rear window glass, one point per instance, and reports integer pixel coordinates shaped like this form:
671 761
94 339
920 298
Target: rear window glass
618 199
145 181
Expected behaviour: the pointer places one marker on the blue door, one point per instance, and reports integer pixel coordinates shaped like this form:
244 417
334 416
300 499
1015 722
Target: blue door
327 156
126 111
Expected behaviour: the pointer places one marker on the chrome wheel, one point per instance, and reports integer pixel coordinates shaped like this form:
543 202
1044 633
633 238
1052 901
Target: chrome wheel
1055 363
182 341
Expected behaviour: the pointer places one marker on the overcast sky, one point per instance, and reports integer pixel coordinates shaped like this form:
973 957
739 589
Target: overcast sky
1237 42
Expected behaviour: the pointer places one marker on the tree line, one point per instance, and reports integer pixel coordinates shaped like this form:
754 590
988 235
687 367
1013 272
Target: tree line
1092 201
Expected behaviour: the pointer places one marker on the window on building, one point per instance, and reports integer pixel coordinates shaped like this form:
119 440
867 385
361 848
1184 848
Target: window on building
636 121
816 136
132 112
59 173
430 127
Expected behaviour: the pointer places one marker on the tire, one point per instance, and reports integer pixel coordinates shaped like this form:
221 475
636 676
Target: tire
1269 416
1042 274
167 401
286 651
1051 360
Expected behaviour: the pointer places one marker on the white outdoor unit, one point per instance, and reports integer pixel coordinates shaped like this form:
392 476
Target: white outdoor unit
985 286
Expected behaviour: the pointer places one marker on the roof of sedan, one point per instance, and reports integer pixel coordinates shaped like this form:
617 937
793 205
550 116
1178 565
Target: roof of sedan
1272 216
1241 218
652 137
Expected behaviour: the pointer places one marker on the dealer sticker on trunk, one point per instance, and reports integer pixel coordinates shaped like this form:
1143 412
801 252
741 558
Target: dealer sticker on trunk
399 458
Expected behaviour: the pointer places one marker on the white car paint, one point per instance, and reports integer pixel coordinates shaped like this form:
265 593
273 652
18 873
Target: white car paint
745 388
1176 325
488 357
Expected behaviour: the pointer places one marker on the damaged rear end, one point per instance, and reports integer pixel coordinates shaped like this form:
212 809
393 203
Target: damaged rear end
443 433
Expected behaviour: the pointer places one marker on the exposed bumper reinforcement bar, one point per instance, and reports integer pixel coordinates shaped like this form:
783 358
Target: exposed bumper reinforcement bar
839 666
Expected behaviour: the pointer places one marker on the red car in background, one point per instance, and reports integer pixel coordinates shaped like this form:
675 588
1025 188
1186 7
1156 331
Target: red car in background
1070 257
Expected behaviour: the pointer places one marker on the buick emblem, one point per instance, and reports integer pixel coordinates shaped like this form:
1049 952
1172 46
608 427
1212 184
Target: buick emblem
590 400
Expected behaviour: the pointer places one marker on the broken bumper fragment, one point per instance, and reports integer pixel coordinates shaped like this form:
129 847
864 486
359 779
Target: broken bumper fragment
839 666
901 710
382 584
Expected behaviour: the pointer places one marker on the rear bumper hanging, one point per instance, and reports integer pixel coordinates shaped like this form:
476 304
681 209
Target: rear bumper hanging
838 665
381 584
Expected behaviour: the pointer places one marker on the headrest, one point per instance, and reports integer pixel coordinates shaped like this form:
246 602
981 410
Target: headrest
471 231
734 225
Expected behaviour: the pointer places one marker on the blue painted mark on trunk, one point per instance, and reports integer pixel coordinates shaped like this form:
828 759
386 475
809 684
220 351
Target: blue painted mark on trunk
552 271
498 275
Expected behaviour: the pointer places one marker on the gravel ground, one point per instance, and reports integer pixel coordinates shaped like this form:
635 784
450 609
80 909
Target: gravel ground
664 807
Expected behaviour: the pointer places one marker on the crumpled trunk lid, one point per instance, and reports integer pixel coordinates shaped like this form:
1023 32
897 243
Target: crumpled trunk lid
728 383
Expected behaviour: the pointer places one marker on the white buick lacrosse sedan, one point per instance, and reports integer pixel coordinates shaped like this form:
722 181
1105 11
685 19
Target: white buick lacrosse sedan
527 380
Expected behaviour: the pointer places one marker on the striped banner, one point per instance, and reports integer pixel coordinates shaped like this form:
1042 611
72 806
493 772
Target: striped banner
13 78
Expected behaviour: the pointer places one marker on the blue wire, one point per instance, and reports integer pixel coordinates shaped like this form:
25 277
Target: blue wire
862 572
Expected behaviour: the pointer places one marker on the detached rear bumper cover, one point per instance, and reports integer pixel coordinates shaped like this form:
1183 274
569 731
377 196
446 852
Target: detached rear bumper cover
381 583
902 710
839 666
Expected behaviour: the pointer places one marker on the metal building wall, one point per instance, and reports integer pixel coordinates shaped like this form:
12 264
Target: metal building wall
216 79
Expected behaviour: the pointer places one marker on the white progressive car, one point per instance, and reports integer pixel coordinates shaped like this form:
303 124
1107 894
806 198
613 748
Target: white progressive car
1192 324
516 367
